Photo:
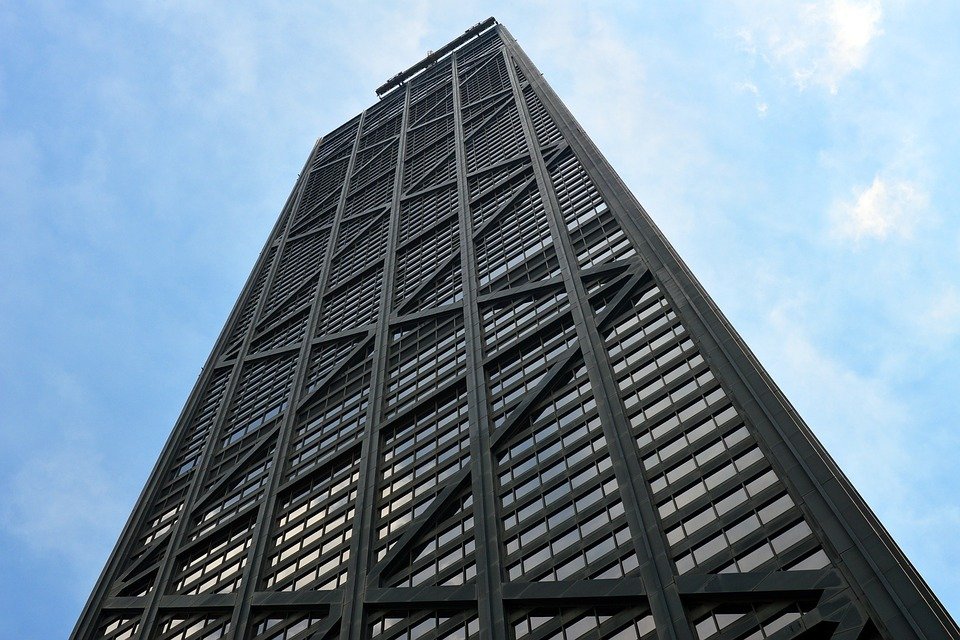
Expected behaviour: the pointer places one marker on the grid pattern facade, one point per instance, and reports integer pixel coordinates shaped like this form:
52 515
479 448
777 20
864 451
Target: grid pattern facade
470 392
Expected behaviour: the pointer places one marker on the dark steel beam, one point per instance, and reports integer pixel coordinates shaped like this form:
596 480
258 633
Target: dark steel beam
352 626
486 532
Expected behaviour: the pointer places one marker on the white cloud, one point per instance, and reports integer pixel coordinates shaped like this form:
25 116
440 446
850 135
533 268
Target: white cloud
942 318
817 43
752 89
887 207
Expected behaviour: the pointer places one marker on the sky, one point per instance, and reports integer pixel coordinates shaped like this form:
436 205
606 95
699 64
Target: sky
802 158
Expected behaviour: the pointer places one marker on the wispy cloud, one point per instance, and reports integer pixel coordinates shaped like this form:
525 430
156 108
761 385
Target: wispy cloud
857 414
942 317
60 501
752 89
817 43
64 504
652 138
888 207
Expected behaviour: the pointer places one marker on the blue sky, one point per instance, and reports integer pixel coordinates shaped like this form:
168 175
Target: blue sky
801 157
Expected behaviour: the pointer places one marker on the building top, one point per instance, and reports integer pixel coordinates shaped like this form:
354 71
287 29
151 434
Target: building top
433 57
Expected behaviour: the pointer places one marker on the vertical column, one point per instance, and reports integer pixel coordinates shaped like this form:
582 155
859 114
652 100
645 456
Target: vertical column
360 545
656 568
489 574
261 533
196 482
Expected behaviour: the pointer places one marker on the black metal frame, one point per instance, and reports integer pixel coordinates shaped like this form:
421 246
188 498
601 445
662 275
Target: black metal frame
322 323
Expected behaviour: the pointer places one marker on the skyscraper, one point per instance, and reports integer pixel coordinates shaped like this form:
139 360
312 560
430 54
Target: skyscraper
469 391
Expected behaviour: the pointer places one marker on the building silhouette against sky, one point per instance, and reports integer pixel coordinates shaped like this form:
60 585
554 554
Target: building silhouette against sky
469 391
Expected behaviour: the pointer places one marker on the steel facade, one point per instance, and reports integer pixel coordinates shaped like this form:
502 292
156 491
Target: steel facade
470 391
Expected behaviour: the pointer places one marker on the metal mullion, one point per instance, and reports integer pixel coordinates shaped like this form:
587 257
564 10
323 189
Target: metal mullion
360 233
446 387
728 486
711 386
410 195
430 146
387 144
369 181
436 106
741 547
365 213
401 543
436 312
275 325
690 375
491 217
430 279
328 163
309 232
361 331
338 450
693 477
490 608
520 292
573 593
255 448
553 328
655 565
607 268
523 158
180 527
371 146
446 156
365 270
473 66
513 417
136 570
655 352
352 623
426 174
276 351
426 230
262 529
708 467
520 503
276 321
422 123
319 207
488 114
347 359
503 93
523 162
224 524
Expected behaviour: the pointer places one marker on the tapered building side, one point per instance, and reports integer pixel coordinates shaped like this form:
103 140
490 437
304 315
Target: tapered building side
469 391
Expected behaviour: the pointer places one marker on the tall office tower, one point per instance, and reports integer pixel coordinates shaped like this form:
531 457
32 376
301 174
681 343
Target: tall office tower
469 391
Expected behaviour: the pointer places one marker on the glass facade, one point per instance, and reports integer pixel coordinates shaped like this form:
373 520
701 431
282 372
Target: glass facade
469 391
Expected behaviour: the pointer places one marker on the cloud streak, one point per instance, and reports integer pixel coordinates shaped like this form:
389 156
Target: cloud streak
817 43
